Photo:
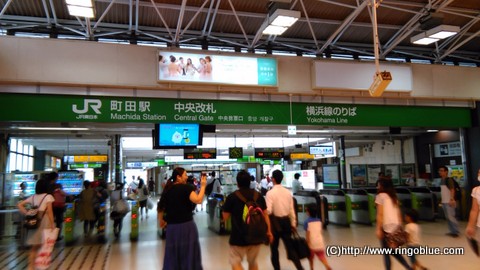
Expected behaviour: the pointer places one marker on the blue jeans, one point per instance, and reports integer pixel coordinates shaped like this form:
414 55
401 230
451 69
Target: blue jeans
451 219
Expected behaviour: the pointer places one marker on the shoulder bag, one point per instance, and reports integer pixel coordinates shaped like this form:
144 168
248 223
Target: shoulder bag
299 247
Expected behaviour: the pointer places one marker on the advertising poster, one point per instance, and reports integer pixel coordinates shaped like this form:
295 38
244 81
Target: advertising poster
359 175
393 172
221 69
407 171
372 173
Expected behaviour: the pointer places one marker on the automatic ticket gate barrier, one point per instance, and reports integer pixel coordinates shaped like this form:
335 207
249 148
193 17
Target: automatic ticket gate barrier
339 206
134 221
423 201
405 198
69 223
437 201
363 206
304 198
215 220
101 223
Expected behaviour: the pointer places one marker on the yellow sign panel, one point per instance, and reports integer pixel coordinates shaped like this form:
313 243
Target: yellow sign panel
100 158
301 156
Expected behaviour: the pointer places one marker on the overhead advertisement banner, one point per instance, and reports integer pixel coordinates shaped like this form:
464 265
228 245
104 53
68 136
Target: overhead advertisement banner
55 108
217 69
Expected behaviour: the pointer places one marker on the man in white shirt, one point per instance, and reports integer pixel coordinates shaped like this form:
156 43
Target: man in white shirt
296 185
283 220
264 185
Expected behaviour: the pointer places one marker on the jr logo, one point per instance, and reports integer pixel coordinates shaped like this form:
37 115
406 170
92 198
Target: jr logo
95 104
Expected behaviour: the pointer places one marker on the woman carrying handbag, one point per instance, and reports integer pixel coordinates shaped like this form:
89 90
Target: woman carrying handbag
389 221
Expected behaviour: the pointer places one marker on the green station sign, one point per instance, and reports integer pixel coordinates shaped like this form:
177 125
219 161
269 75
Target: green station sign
57 108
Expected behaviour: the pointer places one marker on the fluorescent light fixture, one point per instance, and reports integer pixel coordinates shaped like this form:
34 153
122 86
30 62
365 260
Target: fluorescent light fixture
286 21
82 3
274 30
50 128
80 11
280 20
435 34
422 39
432 130
443 31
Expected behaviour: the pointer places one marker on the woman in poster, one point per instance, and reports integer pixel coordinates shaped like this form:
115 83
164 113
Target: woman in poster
190 68
208 67
173 69
202 68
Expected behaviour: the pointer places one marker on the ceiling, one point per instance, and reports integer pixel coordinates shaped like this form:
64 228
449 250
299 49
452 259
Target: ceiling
326 28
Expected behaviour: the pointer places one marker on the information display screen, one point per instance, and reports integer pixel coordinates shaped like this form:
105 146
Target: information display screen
331 176
201 153
177 135
269 153
71 181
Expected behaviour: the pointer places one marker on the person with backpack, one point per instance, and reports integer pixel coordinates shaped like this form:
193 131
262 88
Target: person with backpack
449 202
250 223
42 201
281 209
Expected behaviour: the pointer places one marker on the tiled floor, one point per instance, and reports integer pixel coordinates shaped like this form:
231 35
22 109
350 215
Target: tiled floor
147 252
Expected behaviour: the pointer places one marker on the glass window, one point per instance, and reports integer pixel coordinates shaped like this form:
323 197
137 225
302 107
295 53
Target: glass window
19 147
13 162
18 165
13 145
25 163
20 156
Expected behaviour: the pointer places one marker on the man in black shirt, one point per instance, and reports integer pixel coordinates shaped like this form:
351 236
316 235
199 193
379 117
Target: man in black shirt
234 207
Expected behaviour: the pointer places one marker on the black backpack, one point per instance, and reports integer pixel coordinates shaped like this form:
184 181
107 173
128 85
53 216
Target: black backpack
32 218
458 191
209 187
255 226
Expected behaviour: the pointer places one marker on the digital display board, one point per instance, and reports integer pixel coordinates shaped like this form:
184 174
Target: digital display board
235 152
269 153
200 153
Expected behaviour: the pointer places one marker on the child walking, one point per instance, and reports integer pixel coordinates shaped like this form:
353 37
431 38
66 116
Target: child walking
414 232
313 227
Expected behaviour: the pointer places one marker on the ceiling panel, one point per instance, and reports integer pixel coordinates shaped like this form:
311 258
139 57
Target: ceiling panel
233 19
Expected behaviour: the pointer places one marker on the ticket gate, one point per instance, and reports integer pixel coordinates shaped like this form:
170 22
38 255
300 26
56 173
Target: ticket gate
423 201
339 206
215 220
69 223
437 202
363 206
404 197
304 198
